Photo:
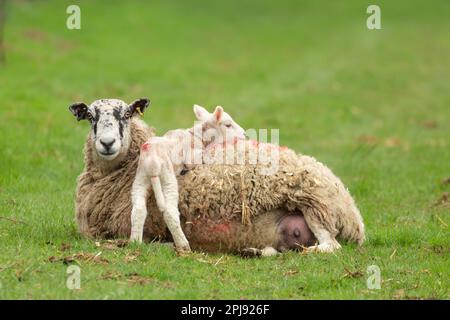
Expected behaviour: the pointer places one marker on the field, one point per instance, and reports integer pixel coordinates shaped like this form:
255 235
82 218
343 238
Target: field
374 105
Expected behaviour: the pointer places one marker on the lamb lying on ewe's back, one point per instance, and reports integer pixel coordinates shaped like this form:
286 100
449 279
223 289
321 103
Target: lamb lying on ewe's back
213 199
163 158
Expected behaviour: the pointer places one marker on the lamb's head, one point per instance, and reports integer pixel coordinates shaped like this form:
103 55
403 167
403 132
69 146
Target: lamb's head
110 124
219 126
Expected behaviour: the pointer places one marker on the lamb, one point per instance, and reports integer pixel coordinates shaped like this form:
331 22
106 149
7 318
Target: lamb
214 200
163 158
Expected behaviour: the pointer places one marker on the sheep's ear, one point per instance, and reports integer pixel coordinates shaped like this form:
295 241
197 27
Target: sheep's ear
79 110
139 105
201 113
218 113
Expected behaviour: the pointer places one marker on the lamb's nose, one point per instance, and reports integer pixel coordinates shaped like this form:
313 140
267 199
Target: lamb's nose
107 142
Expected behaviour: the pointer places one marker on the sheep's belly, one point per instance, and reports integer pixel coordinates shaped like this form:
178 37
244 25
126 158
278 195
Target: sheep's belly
231 235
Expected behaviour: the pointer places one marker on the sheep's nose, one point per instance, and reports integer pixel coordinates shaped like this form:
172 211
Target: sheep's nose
107 142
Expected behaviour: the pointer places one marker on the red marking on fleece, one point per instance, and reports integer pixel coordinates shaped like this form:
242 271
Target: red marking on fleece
221 228
145 146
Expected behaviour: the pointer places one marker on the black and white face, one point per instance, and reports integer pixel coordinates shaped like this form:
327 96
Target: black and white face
110 123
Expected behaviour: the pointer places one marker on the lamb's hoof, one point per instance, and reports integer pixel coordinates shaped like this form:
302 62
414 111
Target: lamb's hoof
183 252
135 239
251 253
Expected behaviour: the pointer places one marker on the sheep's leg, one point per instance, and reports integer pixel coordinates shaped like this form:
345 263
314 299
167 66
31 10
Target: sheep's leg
171 214
139 194
254 252
159 196
167 202
172 220
327 242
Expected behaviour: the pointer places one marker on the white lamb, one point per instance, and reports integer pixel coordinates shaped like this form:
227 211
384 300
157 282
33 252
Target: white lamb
163 158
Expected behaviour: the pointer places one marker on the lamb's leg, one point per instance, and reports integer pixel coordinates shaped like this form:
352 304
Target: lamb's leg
171 214
167 202
139 194
172 220
159 196
327 242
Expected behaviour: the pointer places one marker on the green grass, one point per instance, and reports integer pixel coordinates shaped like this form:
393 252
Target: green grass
372 105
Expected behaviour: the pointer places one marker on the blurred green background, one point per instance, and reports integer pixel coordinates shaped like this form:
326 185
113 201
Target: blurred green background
374 105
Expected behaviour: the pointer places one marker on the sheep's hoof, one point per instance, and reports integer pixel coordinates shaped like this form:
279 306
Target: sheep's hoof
183 252
251 253
135 240
136 236
323 248
269 252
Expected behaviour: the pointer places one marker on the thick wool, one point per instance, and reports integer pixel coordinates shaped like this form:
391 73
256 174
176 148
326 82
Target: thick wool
223 193
103 196
223 207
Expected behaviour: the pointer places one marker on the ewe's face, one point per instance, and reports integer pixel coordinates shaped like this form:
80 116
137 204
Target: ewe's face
110 123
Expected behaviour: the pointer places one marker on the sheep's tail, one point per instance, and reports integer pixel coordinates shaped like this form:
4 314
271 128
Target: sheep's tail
159 196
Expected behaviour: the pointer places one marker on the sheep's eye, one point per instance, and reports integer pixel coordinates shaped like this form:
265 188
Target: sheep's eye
127 115
228 125
89 116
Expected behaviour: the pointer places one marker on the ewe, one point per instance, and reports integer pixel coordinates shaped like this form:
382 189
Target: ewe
213 199
163 158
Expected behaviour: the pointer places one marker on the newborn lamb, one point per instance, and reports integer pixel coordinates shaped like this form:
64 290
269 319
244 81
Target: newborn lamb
163 158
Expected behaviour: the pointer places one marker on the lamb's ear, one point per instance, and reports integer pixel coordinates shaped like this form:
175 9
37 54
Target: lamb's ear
201 113
79 110
139 105
218 113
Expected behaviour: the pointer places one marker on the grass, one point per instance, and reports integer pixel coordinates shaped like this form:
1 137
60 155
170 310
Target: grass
374 105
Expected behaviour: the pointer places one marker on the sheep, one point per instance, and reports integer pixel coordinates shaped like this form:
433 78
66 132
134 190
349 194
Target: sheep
300 184
312 189
212 198
163 158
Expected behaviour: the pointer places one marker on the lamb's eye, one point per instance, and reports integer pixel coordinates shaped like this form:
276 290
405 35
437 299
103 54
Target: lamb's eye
89 116
228 125
127 115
